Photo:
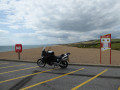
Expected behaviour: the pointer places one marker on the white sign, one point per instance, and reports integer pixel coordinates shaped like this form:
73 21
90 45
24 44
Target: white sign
105 44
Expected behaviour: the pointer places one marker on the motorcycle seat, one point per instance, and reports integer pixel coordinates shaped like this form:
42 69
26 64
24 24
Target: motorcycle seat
59 57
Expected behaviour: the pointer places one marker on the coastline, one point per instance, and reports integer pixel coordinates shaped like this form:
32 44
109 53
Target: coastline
12 47
78 55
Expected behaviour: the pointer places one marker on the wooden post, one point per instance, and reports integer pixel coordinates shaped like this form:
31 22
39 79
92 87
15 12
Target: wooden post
19 55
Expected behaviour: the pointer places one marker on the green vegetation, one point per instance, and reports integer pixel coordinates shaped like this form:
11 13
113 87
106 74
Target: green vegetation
115 44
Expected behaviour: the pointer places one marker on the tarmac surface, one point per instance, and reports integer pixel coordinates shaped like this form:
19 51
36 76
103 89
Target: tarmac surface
28 76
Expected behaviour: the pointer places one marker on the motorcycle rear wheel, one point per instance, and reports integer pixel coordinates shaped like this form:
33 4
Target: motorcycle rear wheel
64 64
40 63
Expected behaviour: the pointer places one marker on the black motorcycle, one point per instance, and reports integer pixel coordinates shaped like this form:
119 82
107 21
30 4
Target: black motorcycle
48 57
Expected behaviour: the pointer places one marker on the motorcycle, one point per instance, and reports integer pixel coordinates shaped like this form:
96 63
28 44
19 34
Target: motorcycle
48 57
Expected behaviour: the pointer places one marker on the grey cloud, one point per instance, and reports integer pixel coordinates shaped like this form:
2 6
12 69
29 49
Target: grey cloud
106 16
81 16
60 35
68 15
88 19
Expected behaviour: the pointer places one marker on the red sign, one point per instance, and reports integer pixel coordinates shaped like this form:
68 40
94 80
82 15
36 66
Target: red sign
106 36
18 48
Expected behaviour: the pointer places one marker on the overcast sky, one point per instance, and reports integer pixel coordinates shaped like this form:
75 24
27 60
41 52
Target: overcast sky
34 22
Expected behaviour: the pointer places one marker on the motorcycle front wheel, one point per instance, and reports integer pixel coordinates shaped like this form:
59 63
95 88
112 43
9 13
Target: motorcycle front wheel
63 64
40 63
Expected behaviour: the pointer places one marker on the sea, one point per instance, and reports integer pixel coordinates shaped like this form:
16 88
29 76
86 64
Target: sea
12 48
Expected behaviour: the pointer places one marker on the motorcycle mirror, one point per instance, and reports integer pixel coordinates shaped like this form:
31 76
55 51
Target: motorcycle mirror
43 48
68 53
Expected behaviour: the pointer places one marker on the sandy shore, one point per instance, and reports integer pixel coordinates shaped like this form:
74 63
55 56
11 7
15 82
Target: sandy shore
78 55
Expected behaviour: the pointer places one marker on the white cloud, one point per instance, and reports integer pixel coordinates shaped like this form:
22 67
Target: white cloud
6 41
4 38
3 32
64 14
50 37
14 26
62 21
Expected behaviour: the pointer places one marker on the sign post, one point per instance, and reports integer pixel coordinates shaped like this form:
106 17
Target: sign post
105 44
19 55
18 49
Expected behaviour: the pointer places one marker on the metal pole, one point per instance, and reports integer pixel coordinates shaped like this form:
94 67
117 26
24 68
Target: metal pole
100 49
110 56
110 49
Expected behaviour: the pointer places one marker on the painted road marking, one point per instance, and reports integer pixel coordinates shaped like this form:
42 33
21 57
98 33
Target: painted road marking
3 63
119 88
27 75
50 79
19 70
89 80
12 66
